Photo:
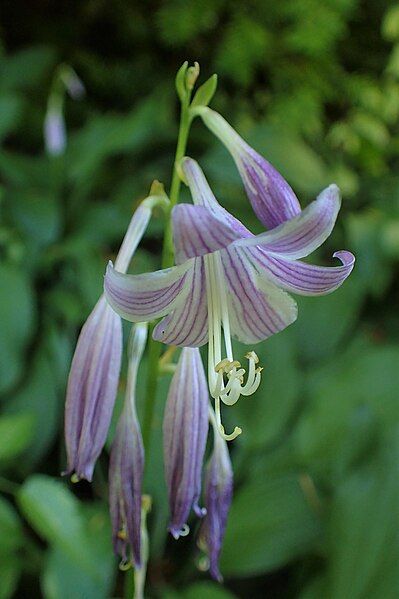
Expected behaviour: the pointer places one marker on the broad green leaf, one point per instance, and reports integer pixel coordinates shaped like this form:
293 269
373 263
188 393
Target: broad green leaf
362 531
38 397
17 316
264 415
16 432
27 68
55 514
36 214
273 521
349 399
66 578
323 322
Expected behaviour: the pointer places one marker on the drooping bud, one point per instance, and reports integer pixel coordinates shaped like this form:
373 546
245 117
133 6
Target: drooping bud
271 197
65 79
94 374
127 463
218 496
185 430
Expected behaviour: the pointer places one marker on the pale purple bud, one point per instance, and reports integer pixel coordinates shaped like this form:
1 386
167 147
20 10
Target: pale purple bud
218 497
93 378
73 84
185 430
271 197
54 130
127 463
92 387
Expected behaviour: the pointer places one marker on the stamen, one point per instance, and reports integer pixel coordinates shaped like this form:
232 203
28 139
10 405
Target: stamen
185 530
125 565
122 534
225 376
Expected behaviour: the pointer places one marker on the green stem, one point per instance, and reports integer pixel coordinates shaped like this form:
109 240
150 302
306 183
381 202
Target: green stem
154 347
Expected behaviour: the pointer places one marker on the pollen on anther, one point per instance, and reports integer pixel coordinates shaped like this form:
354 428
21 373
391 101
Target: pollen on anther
251 355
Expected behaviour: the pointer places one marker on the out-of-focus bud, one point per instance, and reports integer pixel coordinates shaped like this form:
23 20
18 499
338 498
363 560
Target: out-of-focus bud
54 129
127 463
65 79
185 431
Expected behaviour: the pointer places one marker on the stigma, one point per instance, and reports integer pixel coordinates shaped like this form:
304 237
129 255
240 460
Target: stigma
227 379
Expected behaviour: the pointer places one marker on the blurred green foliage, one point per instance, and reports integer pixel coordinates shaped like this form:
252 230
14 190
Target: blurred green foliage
314 86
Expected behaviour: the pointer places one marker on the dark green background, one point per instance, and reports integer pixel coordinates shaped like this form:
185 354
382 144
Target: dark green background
314 86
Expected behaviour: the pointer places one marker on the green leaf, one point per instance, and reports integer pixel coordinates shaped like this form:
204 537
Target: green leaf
63 578
11 567
11 539
11 535
38 397
16 432
348 401
205 93
263 419
10 113
207 590
36 214
67 578
27 68
199 590
362 532
273 521
17 309
390 24
323 322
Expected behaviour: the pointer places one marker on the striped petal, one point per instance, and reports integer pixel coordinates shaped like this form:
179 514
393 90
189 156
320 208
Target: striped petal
303 234
187 325
302 278
257 308
126 465
92 388
202 196
218 497
185 430
272 199
140 298
198 231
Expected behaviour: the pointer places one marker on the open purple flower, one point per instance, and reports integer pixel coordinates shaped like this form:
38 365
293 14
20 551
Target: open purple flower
185 430
126 465
94 375
229 280
218 497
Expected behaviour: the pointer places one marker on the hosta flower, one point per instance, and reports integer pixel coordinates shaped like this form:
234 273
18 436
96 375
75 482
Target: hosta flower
126 465
271 197
230 283
185 430
218 497
93 378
